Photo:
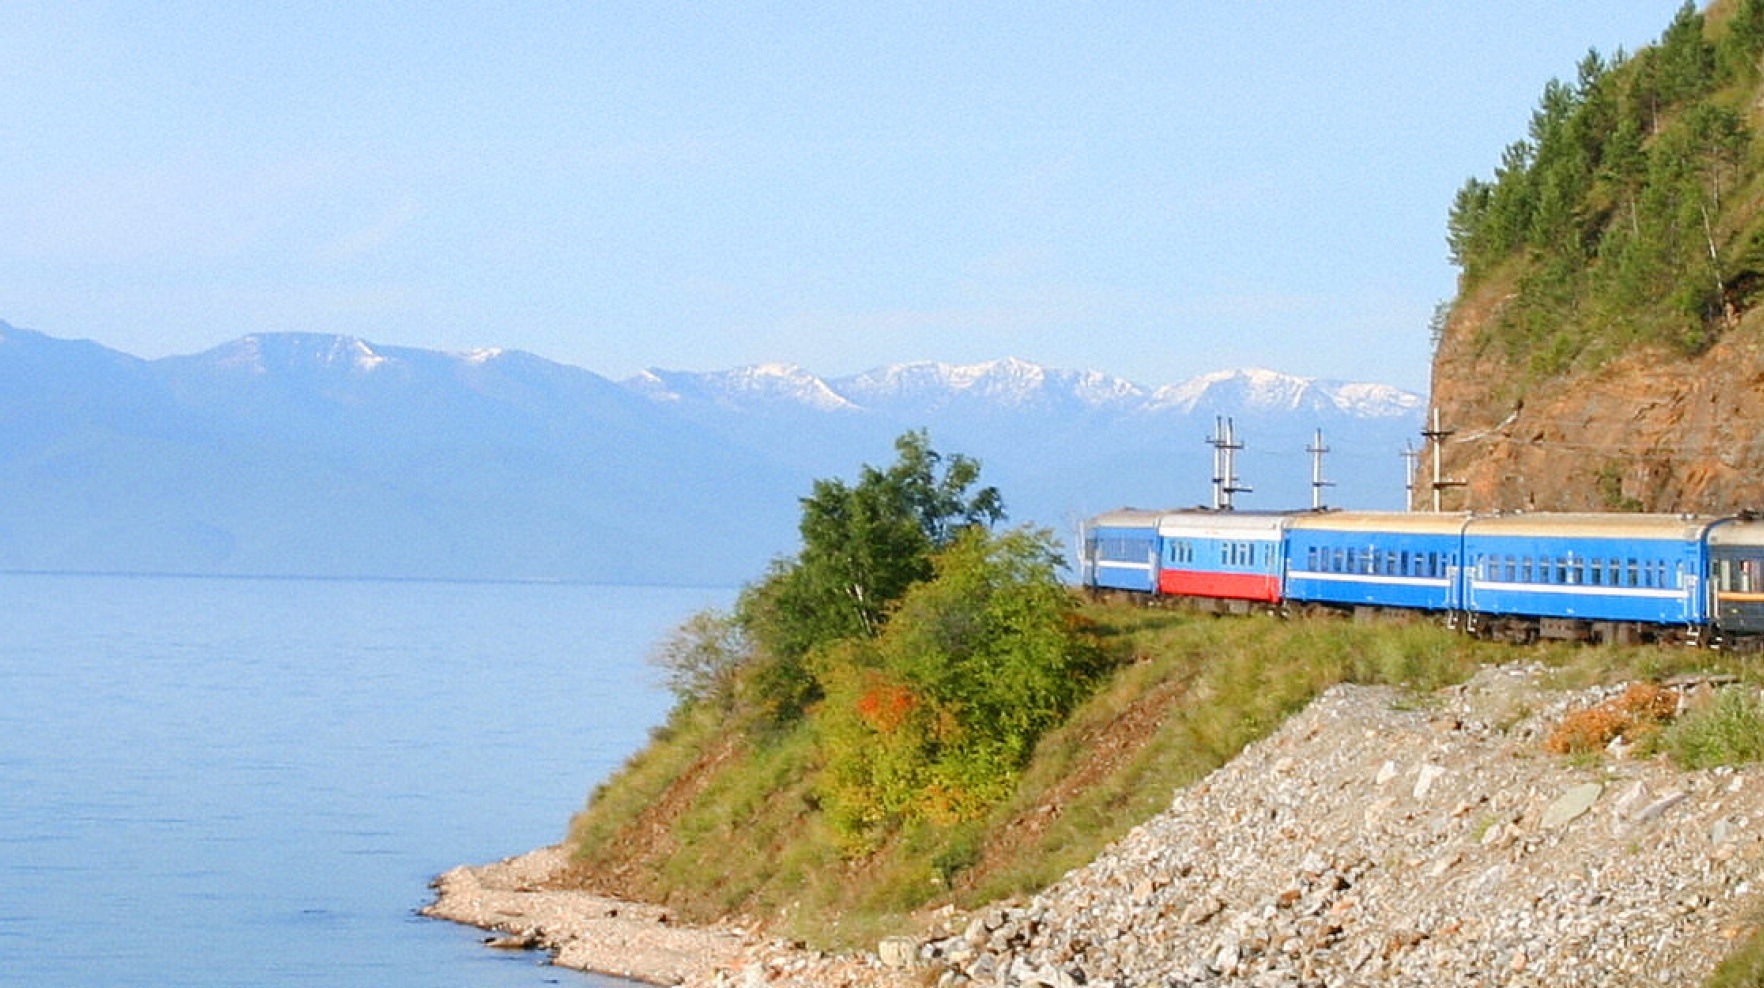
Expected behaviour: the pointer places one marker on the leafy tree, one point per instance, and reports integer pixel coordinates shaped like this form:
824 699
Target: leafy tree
699 660
863 546
933 719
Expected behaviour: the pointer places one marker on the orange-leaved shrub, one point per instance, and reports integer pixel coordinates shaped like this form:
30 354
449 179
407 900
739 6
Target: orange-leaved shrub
1637 714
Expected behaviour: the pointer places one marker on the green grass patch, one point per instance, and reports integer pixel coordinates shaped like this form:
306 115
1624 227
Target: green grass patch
1727 729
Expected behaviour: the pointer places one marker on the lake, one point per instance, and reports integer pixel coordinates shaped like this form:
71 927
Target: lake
235 782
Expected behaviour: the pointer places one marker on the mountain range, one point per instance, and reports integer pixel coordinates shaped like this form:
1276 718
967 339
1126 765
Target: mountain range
318 455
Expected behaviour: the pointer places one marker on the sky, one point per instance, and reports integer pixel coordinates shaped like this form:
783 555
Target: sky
1153 190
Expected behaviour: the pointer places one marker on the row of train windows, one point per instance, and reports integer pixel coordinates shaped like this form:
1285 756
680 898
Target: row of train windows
1378 562
1739 575
1228 554
1128 550
1576 571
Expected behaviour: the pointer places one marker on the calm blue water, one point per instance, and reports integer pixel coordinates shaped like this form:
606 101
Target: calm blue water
251 782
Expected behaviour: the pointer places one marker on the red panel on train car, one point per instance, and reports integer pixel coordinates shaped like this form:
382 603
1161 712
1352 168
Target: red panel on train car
1230 586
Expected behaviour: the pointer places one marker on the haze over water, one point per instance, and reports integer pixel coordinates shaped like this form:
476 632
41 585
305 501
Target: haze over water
222 782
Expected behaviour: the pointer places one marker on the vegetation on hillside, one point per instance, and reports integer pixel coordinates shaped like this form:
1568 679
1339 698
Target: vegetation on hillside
1630 213
894 677
915 711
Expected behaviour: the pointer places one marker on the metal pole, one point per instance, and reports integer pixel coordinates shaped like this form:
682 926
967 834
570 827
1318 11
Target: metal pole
1317 449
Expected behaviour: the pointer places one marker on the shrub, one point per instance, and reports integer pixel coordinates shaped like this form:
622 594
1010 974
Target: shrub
699 659
934 719
1729 730
1636 715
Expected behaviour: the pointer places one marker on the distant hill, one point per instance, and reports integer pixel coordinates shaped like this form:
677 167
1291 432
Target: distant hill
318 455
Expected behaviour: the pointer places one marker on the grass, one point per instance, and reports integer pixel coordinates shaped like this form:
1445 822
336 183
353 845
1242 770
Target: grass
715 826
1725 730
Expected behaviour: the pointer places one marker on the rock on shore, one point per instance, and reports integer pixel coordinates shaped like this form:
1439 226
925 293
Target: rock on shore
1376 839
582 931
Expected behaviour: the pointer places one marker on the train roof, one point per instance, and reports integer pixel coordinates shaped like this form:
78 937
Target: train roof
1746 531
1203 524
1683 528
1403 522
1126 518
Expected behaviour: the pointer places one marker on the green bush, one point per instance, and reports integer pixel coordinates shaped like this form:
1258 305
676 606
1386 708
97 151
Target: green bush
1729 730
935 718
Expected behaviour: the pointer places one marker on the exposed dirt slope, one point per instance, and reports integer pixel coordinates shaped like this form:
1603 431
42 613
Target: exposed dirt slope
1648 432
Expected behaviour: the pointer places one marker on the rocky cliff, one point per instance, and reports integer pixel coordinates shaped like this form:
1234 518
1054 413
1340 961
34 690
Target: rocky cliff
1649 431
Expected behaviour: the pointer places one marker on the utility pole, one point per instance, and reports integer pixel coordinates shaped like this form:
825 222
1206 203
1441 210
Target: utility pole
1225 447
1317 449
1411 462
1437 436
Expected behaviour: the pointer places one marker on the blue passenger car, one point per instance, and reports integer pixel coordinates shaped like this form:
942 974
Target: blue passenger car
1644 568
1121 551
1376 559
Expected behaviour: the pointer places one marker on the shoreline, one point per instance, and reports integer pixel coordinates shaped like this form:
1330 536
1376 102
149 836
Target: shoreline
518 898
581 930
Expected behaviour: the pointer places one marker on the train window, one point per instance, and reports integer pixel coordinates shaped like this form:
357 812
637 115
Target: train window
1512 568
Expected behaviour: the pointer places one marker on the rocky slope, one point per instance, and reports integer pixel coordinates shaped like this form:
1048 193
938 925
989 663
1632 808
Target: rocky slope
1375 839
1649 431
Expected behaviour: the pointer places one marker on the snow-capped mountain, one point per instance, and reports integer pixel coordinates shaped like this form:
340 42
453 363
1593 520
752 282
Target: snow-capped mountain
324 455
1259 391
742 389
1017 384
1064 443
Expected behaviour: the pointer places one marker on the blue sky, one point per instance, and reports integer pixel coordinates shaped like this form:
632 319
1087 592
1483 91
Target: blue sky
1155 190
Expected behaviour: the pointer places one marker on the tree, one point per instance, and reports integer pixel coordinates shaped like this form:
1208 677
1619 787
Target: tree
934 718
863 546
699 659
1686 59
1741 47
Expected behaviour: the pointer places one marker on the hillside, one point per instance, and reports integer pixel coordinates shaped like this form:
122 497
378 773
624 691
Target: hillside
1606 350
1380 836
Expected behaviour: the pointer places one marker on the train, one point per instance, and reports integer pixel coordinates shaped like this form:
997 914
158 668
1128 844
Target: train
1520 577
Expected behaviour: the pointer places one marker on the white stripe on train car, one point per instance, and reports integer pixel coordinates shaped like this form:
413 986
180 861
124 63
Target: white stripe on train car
1581 590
